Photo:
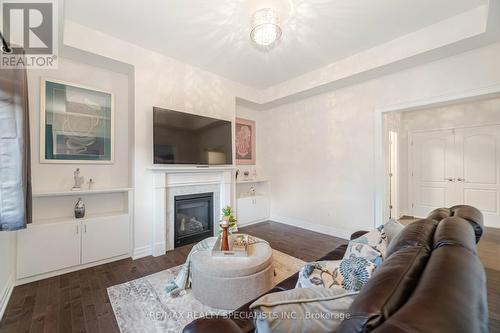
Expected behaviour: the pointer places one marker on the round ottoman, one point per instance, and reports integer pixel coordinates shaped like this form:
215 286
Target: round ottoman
229 282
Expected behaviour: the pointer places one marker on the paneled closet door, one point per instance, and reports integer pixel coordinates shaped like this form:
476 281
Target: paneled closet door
432 171
478 175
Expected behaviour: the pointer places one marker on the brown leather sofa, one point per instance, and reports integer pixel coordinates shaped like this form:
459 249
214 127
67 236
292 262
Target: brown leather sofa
430 281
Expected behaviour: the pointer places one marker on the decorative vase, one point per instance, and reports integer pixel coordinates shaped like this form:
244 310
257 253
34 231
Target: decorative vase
79 209
224 241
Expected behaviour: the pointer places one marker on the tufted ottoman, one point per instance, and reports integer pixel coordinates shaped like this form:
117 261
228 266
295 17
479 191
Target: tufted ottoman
229 282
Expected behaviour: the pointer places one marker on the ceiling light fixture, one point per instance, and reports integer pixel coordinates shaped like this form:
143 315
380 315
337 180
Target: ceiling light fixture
266 31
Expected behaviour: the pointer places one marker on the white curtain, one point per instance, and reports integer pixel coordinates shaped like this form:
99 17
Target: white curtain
15 175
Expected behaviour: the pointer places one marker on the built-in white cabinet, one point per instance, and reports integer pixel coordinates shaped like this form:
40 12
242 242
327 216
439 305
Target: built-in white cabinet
51 247
57 243
48 247
252 209
105 237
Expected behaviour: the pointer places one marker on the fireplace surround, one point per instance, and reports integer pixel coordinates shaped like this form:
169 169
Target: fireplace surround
169 182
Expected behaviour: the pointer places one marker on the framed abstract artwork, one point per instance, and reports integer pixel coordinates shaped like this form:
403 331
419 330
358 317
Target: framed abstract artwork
245 141
76 124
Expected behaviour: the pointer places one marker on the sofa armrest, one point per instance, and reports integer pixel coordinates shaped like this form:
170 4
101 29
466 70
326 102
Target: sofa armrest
358 234
212 325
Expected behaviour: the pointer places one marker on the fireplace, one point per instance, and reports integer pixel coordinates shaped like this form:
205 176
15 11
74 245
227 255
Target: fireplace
193 218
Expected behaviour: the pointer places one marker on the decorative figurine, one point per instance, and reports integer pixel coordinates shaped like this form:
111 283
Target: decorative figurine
252 191
237 173
78 180
79 209
246 174
91 184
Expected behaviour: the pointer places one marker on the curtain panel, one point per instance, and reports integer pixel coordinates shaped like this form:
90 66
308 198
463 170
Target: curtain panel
15 166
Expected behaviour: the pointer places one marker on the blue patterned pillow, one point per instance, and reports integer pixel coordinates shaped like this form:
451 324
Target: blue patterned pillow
377 239
355 272
360 250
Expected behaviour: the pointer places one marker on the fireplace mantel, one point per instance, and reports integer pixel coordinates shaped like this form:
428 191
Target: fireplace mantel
171 181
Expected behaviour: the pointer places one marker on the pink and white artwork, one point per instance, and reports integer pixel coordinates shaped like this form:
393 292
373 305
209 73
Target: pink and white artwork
245 141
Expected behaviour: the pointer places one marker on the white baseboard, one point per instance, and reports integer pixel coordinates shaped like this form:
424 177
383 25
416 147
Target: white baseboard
160 249
34 278
5 295
332 231
253 222
141 252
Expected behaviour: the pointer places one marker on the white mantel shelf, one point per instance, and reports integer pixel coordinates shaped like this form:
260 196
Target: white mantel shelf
190 168
81 192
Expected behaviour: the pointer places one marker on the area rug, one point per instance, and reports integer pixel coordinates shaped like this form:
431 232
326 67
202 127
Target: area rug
142 305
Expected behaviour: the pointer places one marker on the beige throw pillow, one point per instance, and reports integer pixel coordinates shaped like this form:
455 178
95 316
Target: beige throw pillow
302 310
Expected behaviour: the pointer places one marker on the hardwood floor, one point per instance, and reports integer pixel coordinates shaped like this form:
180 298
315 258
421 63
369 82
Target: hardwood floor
78 302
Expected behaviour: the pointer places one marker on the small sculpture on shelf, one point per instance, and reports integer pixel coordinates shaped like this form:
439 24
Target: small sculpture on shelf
246 174
252 191
91 184
79 209
79 180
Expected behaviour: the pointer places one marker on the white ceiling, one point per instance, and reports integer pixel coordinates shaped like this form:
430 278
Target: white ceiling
214 34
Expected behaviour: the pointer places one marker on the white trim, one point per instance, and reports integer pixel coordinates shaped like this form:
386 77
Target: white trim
327 230
141 252
42 124
68 270
241 225
81 192
435 101
5 295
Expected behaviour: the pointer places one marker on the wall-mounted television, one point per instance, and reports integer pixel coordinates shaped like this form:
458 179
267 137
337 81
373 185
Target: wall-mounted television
183 138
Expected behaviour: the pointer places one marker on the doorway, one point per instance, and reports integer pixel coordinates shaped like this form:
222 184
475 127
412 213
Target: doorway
441 156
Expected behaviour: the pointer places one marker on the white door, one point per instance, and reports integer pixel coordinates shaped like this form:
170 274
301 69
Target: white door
105 237
45 248
432 170
478 170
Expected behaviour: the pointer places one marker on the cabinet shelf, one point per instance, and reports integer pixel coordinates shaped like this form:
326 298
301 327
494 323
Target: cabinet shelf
81 193
250 181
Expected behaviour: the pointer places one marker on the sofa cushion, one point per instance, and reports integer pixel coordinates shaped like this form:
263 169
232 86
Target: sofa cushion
418 233
308 310
455 231
471 214
439 214
450 296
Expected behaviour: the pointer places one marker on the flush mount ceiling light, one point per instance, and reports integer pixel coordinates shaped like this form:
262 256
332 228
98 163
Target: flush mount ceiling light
266 31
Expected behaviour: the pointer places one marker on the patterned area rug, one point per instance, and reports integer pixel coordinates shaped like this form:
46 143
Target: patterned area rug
142 305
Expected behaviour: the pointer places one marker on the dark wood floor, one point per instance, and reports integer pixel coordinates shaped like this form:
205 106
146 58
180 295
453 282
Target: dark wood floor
78 302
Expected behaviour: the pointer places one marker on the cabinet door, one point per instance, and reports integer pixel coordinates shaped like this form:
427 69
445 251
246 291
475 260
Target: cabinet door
48 247
105 237
261 208
245 210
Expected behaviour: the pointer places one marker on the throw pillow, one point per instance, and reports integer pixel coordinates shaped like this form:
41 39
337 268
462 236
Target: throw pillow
302 310
377 239
349 273
361 250
392 228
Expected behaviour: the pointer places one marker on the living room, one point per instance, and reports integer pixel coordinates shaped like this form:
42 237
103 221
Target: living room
148 135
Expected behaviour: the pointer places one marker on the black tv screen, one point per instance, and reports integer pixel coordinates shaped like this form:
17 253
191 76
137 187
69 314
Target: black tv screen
182 138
